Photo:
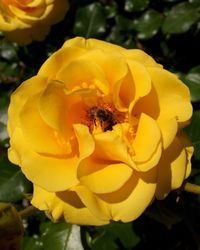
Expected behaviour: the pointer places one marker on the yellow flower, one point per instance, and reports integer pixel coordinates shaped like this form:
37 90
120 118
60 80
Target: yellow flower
98 132
25 20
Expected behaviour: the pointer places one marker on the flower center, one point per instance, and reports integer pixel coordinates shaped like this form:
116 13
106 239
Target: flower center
103 117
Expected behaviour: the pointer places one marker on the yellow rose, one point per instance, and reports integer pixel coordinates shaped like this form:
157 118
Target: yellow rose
98 132
25 20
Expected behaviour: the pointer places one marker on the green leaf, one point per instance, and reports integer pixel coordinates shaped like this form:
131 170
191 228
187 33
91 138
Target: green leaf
8 50
148 24
180 18
32 243
111 10
13 184
3 115
194 132
195 2
90 21
125 233
192 80
61 236
136 5
104 242
123 23
115 232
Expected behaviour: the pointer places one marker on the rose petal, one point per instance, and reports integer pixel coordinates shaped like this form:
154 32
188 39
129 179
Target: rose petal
96 206
142 186
50 142
58 60
172 168
177 103
57 205
52 105
124 93
169 128
86 143
141 78
102 177
36 166
18 98
141 57
83 71
146 141
110 146
90 44
108 62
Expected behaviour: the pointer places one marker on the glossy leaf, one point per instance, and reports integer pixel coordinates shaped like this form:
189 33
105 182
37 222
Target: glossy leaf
116 232
13 184
32 243
192 80
61 236
194 133
180 18
90 21
136 5
148 24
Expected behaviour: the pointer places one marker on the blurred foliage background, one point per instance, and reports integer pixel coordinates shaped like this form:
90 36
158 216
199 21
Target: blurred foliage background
168 30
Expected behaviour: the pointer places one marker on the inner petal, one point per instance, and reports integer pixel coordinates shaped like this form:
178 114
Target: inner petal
83 73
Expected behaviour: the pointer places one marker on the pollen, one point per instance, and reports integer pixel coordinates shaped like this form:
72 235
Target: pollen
102 117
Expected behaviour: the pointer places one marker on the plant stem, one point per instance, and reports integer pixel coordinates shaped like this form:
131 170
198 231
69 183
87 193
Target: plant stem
28 211
192 188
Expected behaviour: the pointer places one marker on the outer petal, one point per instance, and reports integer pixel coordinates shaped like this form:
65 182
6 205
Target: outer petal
141 57
131 200
58 60
36 166
146 142
169 128
92 44
50 142
101 177
177 103
172 168
27 89
64 204
96 206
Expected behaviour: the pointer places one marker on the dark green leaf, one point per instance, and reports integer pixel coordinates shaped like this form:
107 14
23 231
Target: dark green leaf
124 24
195 2
148 24
136 5
90 21
32 243
61 236
13 184
125 233
194 133
8 50
111 10
180 18
104 242
192 80
115 232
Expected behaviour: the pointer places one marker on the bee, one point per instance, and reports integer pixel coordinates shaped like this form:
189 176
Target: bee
103 116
